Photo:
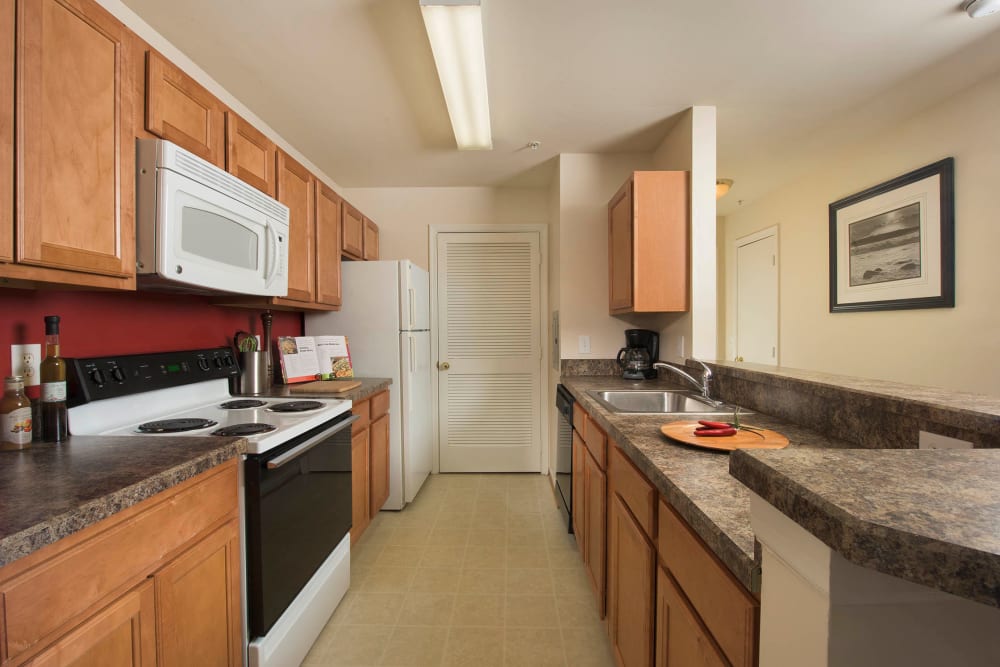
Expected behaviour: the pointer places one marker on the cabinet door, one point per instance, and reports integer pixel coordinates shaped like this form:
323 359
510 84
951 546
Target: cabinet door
353 233
123 634
371 240
596 501
295 190
7 130
75 145
359 483
379 472
250 155
328 213
180 110
620 249
579 524
631 581
681 638
198 603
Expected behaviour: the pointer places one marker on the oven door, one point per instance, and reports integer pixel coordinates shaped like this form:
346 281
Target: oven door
298 508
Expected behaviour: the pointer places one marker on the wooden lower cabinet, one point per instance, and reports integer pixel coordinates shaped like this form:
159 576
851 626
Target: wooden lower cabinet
379 471
157 583
631 582
359 484
681 638
123 634
369 461
595 489
579 452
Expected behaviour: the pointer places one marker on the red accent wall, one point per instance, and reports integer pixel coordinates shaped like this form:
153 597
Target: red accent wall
104 323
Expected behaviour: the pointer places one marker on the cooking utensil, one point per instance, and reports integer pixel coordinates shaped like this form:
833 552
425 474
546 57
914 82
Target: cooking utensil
248 342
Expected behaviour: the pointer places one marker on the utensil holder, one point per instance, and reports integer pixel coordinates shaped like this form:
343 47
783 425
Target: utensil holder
252 379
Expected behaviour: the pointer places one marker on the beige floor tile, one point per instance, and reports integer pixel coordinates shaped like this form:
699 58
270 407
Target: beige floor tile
488 538
443 556
571 581
474 647
415 647
527 556
356 645
427 609
483 557
564 558
480 610
410 536
373 609
529 581
436 580
531 611
525 536
465 520
577 611
449 536
387 580
482 582
399 556
587 647
533 647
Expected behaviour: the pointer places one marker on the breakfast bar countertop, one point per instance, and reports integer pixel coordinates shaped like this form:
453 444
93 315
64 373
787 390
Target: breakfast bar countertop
931 517
50 491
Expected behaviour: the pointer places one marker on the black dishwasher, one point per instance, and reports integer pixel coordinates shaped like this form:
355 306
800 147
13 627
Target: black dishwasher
564 454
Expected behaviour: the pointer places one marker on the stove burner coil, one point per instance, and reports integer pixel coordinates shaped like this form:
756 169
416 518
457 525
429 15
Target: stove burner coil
242 403
175 425
295 406
244 429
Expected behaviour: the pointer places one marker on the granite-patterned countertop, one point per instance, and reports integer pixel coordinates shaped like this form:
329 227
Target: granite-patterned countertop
694 481
50 491
369 387
928 516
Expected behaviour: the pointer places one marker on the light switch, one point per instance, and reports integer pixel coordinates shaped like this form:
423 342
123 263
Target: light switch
584 346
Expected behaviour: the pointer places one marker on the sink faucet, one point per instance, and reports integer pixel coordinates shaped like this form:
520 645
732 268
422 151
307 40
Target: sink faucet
703 385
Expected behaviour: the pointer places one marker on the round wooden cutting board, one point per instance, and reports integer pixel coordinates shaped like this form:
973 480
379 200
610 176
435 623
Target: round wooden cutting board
761 439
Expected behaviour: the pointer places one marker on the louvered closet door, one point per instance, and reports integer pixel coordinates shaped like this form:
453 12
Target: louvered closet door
489 338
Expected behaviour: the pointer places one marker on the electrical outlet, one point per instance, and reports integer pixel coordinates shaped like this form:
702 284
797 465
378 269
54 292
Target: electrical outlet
584 345
24 361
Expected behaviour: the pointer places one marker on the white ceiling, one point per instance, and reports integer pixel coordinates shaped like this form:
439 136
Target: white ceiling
352 84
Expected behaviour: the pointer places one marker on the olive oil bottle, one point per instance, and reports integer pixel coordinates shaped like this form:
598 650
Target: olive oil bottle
55 417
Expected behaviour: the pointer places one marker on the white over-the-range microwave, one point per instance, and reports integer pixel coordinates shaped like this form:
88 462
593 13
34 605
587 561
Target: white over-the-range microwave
200 229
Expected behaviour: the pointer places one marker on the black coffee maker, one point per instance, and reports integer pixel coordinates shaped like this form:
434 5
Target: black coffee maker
641 351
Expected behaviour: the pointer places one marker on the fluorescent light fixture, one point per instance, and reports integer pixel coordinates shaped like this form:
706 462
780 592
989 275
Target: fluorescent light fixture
455 29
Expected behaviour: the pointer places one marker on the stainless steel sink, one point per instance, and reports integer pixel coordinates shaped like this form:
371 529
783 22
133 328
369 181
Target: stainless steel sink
661 402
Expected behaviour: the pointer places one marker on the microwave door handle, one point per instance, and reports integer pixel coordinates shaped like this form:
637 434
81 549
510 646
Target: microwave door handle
271 256
295 452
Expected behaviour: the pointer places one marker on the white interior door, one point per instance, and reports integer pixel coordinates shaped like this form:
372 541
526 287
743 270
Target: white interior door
489 352
757 298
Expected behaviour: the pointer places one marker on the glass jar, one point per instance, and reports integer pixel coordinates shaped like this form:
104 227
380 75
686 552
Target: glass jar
15 415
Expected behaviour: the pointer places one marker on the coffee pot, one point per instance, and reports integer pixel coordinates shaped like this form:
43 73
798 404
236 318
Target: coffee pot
641 351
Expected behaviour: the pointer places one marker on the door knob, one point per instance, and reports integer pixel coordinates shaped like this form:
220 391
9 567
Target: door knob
443 365
740 358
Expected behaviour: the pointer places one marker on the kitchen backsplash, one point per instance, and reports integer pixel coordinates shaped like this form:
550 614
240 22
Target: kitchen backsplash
98 323
589 367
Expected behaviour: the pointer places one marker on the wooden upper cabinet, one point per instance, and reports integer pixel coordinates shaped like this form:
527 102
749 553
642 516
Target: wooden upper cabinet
329 208
75 186
296 187
250 155
648 244
7 130
180 110
371 240
353 233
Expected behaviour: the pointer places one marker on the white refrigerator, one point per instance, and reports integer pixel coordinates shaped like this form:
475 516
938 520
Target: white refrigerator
386 318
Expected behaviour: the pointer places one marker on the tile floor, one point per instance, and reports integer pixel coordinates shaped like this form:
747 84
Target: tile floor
478 571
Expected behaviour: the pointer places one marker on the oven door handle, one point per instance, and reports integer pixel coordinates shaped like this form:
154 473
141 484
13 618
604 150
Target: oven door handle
295 452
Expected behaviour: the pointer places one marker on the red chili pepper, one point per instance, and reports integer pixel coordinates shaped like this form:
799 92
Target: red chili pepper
715 432
708 424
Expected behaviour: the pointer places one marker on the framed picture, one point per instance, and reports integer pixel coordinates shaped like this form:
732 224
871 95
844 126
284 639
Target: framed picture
892 247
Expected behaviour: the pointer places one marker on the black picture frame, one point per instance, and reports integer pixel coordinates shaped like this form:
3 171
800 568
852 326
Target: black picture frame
892 246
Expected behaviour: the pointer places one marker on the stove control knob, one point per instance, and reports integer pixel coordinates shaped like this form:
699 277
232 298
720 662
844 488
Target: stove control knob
97 375
217 362
118 374
203 364
227 360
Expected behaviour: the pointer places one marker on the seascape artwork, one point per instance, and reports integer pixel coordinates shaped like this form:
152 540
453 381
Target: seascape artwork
886 247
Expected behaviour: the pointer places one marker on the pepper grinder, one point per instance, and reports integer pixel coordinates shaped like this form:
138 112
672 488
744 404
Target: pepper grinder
265 319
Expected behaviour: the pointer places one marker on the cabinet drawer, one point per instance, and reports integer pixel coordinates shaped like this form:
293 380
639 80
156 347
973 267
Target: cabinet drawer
47 596
634 489
597 443
363 411
729 612
380 404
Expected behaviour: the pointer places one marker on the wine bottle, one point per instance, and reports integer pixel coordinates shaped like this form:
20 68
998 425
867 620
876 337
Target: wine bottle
55 417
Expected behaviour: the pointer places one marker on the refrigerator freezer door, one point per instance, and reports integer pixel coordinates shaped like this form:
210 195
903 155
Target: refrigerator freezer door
415 378
414 303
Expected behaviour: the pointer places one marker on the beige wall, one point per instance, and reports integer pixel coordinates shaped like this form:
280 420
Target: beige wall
404 214
954 348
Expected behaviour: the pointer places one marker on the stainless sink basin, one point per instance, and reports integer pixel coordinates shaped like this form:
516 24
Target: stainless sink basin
661 402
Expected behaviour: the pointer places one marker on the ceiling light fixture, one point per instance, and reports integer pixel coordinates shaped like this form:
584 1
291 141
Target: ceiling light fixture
978 8
722 186
455 30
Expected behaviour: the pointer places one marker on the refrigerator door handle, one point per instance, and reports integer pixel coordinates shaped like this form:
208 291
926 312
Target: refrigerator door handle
413 318
413 354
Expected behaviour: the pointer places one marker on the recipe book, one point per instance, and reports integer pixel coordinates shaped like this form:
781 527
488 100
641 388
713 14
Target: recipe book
307 358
